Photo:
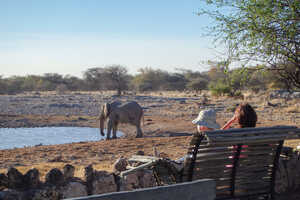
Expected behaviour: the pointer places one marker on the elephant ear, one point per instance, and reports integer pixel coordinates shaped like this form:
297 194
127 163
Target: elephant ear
106 109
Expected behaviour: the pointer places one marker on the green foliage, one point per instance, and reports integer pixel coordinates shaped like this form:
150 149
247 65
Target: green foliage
220 79
219 88
264 31
150 79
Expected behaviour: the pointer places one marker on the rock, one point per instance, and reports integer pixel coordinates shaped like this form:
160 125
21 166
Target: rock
103 183
140 152
89 177
272 105
15 178
11 195
74 189
147 180
68 171
32 178
129 182
44 194
4 182
54 177
120 165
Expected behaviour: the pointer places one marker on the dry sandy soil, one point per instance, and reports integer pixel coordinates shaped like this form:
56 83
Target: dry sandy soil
167 126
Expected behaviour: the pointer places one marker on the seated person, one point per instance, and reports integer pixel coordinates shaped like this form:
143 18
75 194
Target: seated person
206 121
244 115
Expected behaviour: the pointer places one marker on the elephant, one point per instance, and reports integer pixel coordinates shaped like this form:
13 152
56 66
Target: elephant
116 112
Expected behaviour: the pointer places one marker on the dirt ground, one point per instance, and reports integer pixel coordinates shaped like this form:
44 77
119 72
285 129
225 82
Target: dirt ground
165 127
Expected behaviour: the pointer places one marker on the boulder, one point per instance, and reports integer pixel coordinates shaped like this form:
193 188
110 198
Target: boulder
4 182
32 178
74 189
129 182
15 178
147 180
11 195
68 171
103 182
46 193
89 177
54 177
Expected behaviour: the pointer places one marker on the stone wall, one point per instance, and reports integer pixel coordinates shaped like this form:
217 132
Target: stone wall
62 184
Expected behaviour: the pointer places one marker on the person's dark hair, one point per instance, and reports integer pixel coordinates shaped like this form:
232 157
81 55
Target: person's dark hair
246 115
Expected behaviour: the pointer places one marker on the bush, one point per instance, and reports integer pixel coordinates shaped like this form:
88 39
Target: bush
219 89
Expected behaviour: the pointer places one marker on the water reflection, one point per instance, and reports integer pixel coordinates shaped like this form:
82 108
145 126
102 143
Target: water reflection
21 137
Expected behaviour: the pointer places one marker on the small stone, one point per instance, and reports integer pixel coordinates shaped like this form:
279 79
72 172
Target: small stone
141 153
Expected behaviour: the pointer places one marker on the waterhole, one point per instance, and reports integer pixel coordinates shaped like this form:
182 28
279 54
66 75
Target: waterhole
23 137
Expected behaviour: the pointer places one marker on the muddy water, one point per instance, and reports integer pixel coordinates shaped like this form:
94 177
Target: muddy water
22 137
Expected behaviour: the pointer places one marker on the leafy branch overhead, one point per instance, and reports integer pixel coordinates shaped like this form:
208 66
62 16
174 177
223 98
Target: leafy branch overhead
263 31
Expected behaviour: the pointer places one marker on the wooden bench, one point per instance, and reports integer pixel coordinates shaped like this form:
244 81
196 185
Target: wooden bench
243 162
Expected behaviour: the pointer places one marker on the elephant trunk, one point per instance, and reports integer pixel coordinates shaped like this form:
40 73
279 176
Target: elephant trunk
102 119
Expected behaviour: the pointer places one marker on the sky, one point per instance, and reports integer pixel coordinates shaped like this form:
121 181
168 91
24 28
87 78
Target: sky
70 36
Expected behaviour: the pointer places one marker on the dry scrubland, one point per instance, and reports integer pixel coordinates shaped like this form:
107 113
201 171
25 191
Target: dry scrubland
167 125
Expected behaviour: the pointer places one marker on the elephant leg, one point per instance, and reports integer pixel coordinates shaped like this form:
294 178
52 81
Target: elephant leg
139 132
108 136
115 128
109 127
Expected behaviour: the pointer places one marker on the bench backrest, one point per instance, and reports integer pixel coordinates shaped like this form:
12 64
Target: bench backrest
242 161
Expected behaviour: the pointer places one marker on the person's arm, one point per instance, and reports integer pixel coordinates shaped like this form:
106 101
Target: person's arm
228 124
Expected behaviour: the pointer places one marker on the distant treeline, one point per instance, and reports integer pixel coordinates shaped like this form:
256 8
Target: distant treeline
115 77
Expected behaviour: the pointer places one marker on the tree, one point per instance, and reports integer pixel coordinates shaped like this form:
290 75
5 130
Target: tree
54 79
30 82
150 79
116 77
264 31
113 77
74 83
3 85
93 78
197 84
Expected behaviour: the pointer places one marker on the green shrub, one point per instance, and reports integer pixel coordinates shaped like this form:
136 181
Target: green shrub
219 89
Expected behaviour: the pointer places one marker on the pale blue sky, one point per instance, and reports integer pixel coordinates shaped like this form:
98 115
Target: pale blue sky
70 36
